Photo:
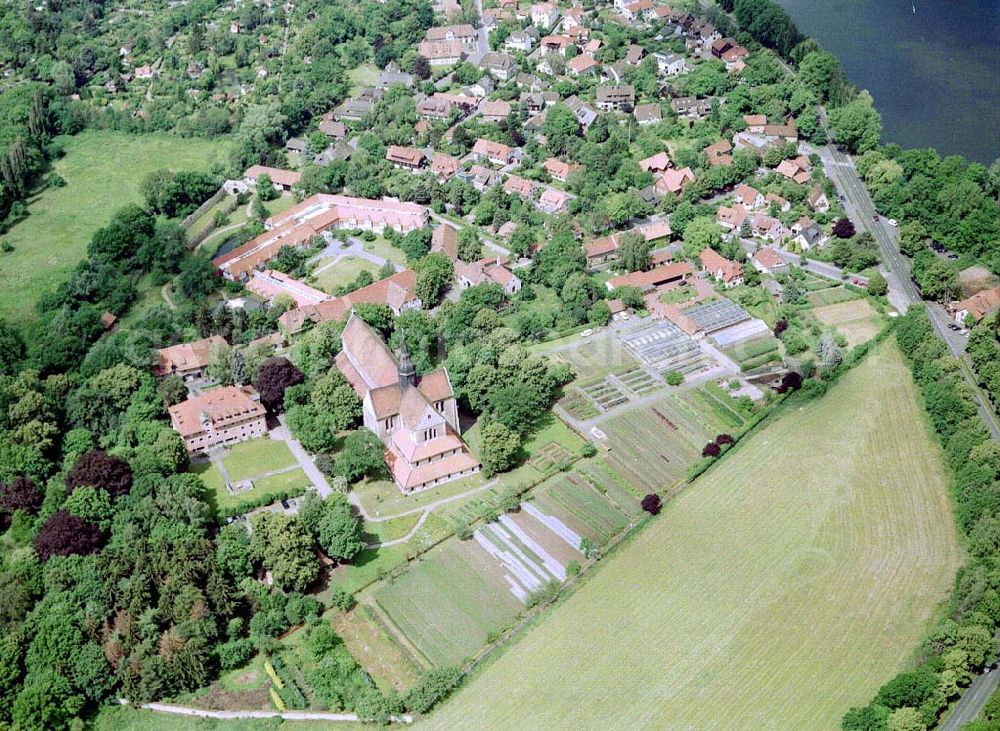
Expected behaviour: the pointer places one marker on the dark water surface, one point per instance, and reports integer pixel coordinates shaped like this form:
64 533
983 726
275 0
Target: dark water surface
932 66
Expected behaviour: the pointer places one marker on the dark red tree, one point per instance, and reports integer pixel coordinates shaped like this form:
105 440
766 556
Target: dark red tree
101 470
711 450
724 439
64 534
790 382
276 375
651 504
21 494
779 327
843 228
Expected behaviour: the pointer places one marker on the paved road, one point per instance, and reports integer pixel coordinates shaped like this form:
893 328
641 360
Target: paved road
972 701
903 292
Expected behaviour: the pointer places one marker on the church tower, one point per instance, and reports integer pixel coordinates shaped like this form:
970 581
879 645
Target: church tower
407 371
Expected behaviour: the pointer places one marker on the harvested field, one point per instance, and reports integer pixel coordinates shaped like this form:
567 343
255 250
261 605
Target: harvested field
786 585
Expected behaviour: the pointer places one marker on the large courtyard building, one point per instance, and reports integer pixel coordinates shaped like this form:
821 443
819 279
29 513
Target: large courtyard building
416 417
222 416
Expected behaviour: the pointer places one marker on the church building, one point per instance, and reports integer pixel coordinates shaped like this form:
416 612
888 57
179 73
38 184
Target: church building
416 417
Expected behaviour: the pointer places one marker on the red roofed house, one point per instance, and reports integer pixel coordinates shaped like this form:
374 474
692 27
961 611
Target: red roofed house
720 153
605 249
559 170
269 284
444 240
749 197
731 218
415 417
673 181
282 179
495 152
444 166
553 201
767 227
796 169
656 164
581 65
666 274
225 415
767 261
977 306
516 185
730 273
487 270
409 158
187 360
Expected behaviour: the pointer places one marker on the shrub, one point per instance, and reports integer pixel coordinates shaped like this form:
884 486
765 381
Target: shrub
588 450
234 653
342 599
674 378
651 503
711 450
432 688
724 439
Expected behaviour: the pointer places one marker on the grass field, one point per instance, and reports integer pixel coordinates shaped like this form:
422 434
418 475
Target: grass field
830 296
102 171
248 459
785 586
342 273
856 320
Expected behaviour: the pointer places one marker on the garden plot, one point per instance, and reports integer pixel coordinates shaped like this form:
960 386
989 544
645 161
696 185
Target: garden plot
830 296
573 500
605 394
579 407
856 320
591 357
550 456
639 381
662 346
717 315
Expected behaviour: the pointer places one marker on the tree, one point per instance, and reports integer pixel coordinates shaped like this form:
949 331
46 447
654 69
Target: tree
700 234
559 128
723 439
711 450
172 390
913 237
469 247
633 252
857 125
821 72
334 396
361 456
276 375
869 718
877 286
12 348
791 381
906 719
501 448
283 546
651 503
338 531
101 470
434 275
265 187
20 494
623 206
64 534
843 228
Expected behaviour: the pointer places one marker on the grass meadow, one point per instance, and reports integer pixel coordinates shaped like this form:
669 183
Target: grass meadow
786 585
102 171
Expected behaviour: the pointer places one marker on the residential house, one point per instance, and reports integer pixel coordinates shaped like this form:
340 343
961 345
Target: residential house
732 217
559 170
432 108
281 179
496 153
817 200
492 112
656 163
415 417
749 197
573 18
499 65
688 107
465 34
730 273
774 199
553 201
392 76
673 181
146 72
480 178
441 53
544 15
222 416
722 45
585 114
810 236
187 360
782 132
521 40
444 240
977 306
646 114
516 185
639 10
555 45
635 54
766 227
333 129
767 261
409 158
797 169
605 249
720 153
755 123
444 166
619 97
493 270
671 64
581 65
735 58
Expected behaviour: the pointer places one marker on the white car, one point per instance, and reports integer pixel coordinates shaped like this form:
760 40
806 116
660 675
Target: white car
893 222
587 333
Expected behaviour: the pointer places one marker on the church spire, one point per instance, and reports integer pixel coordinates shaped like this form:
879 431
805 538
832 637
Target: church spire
407 372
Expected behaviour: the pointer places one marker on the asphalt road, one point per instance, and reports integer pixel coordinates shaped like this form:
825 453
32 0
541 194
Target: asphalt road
972 701
903 292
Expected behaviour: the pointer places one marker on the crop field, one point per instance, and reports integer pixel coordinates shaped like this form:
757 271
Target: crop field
856 320
573 499
102 171
786 585
652 446
374 649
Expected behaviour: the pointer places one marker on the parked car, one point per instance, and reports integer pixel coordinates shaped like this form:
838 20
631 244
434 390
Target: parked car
875 217
587 333
893 222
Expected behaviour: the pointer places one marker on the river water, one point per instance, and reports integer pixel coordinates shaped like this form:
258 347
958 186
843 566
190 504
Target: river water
932 66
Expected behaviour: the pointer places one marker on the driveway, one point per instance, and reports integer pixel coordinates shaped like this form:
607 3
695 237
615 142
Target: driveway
317 478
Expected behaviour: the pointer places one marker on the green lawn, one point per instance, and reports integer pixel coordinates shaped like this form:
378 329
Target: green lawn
248 459
344 272
785 586
103 171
